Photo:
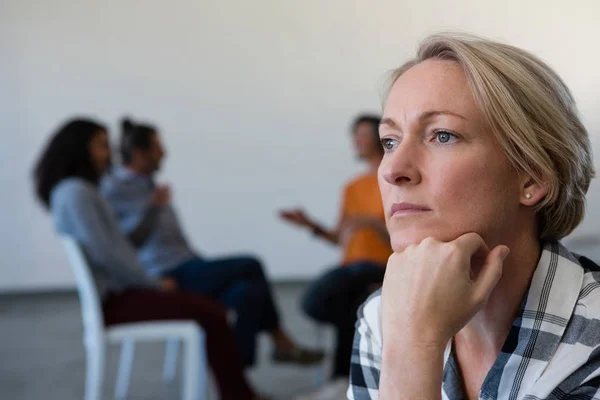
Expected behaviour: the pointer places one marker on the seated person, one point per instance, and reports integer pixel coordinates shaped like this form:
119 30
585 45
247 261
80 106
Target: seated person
361 233
66 179
144 210
486 167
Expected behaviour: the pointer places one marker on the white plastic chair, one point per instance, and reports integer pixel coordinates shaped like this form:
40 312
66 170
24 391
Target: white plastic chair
97 337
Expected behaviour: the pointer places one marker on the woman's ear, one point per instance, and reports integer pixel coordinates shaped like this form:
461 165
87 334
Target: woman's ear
532 191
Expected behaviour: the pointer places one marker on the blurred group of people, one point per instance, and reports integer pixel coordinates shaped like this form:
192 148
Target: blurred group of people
145 268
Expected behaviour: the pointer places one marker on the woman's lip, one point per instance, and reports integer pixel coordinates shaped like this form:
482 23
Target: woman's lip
407 208
408 212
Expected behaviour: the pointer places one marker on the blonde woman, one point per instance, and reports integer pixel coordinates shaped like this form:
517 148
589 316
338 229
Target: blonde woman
486 167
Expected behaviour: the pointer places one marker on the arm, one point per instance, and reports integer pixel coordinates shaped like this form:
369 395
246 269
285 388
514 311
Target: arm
391 370
338 235
351 224
139 234
160 197
427 297
330 235
107 248
411 371
298 217
137 215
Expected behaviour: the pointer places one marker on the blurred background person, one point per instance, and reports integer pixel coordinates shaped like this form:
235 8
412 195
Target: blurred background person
66 182
145 212
361 234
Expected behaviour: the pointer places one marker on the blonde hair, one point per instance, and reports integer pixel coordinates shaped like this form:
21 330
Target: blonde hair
533 116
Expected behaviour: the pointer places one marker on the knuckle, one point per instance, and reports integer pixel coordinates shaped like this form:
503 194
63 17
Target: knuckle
428 241
393 258
453 248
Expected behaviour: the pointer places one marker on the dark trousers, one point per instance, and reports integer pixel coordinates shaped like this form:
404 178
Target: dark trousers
240 284
335 298
222 351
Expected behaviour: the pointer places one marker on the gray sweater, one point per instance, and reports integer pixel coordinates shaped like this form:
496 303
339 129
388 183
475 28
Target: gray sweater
80 212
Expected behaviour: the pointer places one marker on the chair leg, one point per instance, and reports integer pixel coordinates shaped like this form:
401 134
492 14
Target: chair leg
195 374
170 367
319 370
124 371
318 375
202 371
94 374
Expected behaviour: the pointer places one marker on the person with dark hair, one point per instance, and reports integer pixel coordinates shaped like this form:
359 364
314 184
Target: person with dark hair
144 210
361 233
66 178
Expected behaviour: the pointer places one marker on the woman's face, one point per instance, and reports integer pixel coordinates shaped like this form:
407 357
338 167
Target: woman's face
100 152
442 174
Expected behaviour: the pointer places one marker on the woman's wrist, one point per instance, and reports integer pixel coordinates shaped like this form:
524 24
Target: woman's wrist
403 344
420 333
411 370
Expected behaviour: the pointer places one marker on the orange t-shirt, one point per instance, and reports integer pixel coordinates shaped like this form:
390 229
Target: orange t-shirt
363 199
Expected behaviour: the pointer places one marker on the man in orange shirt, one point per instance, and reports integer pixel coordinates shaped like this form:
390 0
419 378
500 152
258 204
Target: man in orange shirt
361 233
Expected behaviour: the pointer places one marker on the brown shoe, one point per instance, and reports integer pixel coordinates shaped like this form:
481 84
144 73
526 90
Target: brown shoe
298 356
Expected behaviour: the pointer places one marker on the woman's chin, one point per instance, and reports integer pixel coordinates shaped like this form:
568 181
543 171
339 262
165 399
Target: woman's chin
401 241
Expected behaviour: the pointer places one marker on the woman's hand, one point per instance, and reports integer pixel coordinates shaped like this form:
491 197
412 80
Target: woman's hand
432 290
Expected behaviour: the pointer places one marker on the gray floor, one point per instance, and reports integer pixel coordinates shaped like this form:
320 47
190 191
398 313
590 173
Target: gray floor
41 353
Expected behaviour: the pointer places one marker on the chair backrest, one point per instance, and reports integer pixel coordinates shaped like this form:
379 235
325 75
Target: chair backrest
91 309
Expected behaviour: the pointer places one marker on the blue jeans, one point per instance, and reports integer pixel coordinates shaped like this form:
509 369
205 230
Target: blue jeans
240 284
335 297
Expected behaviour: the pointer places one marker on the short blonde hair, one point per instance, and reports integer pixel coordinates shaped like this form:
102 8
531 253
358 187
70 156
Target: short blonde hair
533 116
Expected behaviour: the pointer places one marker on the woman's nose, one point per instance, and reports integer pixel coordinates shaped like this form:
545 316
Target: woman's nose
400 167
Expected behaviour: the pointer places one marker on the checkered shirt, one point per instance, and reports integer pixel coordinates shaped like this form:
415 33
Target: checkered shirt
552 351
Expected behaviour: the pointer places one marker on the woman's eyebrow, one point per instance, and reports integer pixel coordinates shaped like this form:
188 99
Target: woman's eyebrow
425 115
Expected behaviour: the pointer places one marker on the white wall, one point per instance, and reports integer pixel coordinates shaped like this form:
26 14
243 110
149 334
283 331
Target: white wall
253 97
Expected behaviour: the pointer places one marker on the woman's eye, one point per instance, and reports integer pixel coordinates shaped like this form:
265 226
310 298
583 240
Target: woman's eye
388 144
445 137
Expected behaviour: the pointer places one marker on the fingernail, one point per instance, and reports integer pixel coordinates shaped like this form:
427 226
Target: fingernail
504 253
